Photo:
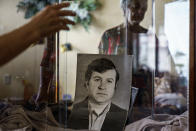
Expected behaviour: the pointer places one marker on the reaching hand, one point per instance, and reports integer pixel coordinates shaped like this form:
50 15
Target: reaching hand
50 20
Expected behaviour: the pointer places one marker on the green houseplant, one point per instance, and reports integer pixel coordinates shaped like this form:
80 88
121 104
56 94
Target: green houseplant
83 9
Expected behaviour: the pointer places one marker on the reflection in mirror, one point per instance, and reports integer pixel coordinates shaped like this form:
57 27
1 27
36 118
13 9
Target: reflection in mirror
120 27
128 38
171 88
160 67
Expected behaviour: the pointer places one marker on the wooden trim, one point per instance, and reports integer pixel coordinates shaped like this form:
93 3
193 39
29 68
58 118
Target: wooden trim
192 67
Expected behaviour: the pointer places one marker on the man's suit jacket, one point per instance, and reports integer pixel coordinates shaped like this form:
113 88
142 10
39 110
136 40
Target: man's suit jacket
114 120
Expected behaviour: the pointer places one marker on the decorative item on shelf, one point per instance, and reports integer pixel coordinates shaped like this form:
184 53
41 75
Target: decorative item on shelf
66 47
83 9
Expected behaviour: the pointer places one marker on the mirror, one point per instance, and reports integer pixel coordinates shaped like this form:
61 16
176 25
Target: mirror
156 32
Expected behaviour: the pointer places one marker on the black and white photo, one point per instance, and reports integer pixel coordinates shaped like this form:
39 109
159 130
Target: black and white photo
102 93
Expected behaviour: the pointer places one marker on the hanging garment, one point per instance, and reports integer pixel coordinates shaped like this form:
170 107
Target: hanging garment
161 122
47 86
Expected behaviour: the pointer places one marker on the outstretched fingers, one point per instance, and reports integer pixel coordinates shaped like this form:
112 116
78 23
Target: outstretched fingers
66 13
62 21
60 6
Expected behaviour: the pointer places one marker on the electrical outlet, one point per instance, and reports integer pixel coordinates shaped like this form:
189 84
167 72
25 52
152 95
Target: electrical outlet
7 79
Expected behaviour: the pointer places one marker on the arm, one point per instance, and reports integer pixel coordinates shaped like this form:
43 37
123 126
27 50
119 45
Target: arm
44 23
13 43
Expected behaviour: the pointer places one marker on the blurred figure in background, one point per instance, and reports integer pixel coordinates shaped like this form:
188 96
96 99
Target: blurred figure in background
127 38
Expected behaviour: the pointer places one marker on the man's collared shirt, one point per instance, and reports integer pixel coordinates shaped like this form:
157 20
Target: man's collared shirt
97 116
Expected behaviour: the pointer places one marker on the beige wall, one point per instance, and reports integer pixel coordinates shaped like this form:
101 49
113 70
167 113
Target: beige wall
27 63
108 16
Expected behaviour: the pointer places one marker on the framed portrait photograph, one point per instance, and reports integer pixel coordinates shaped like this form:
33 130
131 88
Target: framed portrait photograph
103 92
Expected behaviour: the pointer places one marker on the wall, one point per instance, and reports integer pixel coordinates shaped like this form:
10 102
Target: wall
109 15
27 63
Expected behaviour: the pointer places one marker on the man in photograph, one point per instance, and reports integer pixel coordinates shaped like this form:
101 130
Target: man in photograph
96 111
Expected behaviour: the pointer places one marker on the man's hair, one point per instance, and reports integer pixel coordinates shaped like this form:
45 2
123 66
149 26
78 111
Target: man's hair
100 65
125 3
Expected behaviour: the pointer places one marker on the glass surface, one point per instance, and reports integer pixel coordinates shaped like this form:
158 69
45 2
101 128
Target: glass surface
156 33
172 87
160 49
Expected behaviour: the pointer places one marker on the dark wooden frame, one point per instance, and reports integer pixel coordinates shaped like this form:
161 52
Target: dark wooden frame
192 66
